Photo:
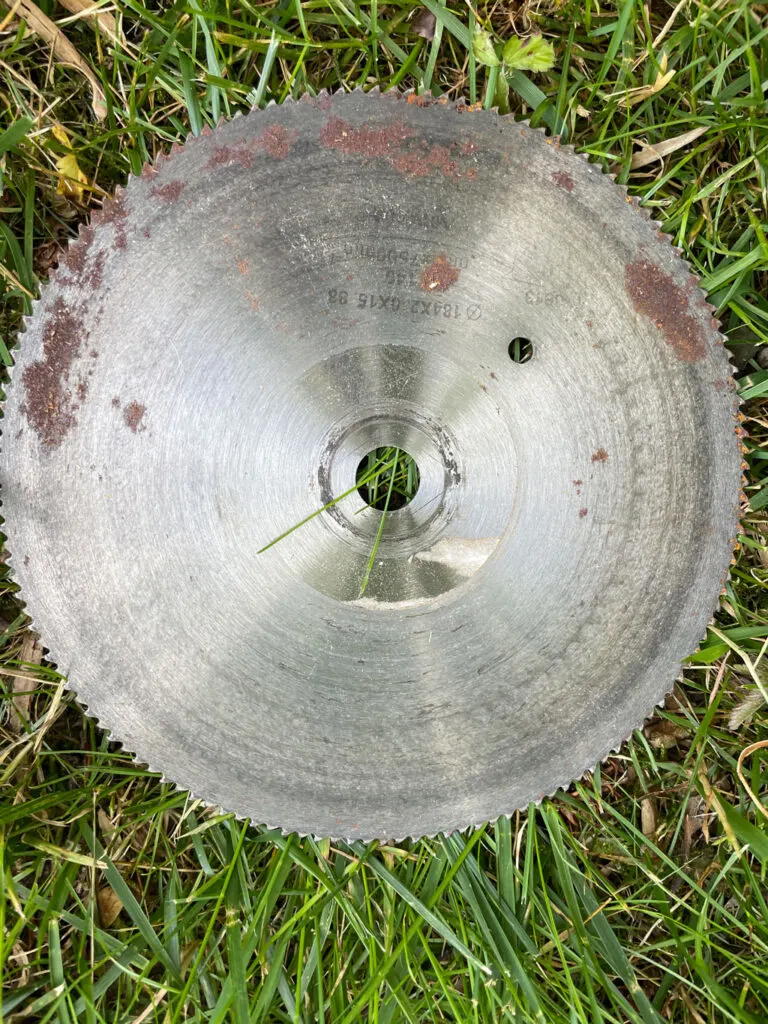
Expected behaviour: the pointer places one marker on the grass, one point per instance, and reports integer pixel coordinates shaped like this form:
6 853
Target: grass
374 485
637 896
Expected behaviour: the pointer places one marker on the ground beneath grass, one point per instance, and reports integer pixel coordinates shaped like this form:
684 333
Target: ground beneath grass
639 895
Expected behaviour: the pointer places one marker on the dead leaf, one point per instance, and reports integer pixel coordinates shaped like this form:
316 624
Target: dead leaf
713 800
745 710
424 24
663 734
110 905
21 956
629 97
105 822
24 686
753 748
696 820
649 154
71 177
103 19
63 50
648 816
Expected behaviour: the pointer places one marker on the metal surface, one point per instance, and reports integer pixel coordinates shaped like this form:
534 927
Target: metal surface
226 342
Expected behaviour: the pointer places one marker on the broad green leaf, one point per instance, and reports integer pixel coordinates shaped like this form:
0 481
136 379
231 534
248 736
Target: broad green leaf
534 54
483 49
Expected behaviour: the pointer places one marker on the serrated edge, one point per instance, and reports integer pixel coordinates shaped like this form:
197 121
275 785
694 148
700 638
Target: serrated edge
83 240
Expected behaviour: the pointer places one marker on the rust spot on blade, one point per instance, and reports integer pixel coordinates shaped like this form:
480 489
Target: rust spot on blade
50 404
601 455
563 180
426 100
420 163
364 141
583 513
397 144
169 193
240 153
80 265
439 276
242 266
655 295
133 414
113 212
275 141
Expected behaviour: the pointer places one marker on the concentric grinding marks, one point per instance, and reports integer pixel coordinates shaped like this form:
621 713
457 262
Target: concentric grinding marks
215 357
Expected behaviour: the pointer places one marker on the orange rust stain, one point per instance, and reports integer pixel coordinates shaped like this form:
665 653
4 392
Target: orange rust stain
420 163
242 266
277 141
50 404
133 414
113 212
563 180
654 294
397 144
364 141
439 276
170 192
239 153
253 300
601 455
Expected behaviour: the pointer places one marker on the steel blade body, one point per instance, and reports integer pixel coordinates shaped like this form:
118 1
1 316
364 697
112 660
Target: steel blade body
226 343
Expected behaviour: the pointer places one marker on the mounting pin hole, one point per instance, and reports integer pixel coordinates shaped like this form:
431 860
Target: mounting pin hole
520 350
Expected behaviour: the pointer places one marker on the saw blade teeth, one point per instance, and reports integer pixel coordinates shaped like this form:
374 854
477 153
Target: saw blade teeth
151 169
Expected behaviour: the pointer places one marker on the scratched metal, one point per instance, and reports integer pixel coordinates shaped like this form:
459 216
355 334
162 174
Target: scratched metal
219 351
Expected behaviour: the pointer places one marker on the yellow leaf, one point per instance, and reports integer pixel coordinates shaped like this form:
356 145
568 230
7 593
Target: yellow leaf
71 177
59 132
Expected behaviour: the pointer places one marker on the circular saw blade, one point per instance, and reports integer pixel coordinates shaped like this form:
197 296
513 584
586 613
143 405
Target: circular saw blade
223 346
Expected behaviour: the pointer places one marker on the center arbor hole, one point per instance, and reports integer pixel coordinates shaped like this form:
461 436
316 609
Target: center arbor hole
387 479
